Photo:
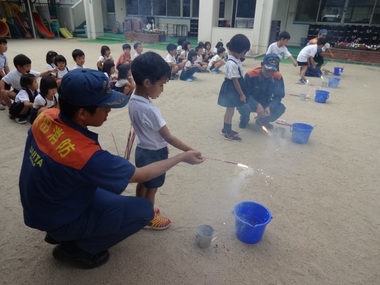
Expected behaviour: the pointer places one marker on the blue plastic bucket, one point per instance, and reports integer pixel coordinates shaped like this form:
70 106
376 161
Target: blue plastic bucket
251 219
301 132
333 82
338 71
321 96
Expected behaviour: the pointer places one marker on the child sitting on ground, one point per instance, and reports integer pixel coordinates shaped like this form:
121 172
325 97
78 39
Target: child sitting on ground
202 64
151 72
23 103
79 58
105 54
125 57
172 62
138 49
109 69
23 65
62 69
190 67
125 83
48 97
217 61
50 56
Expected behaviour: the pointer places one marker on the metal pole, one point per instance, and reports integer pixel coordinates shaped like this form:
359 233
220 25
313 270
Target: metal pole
31 18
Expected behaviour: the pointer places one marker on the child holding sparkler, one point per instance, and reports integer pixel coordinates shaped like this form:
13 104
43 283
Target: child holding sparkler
151 72
232 91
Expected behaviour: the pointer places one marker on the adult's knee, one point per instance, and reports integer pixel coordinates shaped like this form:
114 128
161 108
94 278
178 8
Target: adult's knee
244 110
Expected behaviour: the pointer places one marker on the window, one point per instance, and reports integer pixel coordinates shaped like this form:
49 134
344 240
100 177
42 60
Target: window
245 9
376 14
174 7
359 11
159 8
195 9
331 10
145 7
186 8
110 6
132 7
307 11
221 9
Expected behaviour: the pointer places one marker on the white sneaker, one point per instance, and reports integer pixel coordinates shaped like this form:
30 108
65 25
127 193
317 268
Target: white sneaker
21 120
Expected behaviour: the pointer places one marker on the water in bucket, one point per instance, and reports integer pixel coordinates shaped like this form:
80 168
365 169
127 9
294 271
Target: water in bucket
301 132
321 96
333 82
251 219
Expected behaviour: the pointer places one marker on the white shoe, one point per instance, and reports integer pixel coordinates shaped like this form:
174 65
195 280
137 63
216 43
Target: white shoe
2 108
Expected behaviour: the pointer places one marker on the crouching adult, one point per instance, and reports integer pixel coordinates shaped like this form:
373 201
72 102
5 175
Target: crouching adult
265 90
70 187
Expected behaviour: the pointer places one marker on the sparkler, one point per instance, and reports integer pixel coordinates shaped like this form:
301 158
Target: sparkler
264 129
229 162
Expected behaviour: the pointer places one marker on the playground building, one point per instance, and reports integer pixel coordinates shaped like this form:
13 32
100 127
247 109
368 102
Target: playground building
205 20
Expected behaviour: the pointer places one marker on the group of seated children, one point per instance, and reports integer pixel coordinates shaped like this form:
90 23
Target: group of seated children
19 88
188 60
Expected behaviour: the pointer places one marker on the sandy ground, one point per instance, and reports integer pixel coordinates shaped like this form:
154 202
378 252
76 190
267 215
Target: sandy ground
323 195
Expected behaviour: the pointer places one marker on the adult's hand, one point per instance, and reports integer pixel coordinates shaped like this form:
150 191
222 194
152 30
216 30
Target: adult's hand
267 112
260 111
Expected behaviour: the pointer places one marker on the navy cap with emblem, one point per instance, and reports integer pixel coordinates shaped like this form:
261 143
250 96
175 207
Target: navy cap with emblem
89 87
271 61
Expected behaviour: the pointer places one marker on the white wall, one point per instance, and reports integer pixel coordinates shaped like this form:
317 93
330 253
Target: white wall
208 18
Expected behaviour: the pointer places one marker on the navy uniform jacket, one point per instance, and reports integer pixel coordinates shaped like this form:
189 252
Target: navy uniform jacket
63 165
266 91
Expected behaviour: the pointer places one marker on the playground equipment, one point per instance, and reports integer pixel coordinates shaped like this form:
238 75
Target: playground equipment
65 33
41 27
4 29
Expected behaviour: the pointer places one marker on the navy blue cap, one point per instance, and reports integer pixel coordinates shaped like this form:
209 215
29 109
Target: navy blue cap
89 87
271 61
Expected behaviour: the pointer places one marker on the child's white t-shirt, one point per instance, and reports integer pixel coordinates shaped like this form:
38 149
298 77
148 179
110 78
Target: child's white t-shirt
147 121
13 78
50 66
282 51
170 59
104 58
231 68
135 55
3 62
307 52
41 101
214 59
189 64
60 73
22 96
199 59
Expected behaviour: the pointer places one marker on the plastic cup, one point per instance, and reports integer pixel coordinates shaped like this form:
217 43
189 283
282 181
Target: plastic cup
204 236
303 97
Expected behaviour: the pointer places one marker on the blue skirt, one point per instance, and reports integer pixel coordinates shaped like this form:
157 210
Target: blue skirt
228 95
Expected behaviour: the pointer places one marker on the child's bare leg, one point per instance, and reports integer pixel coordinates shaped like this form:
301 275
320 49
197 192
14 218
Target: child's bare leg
218 64
303 71
150 194
228 115
140 190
